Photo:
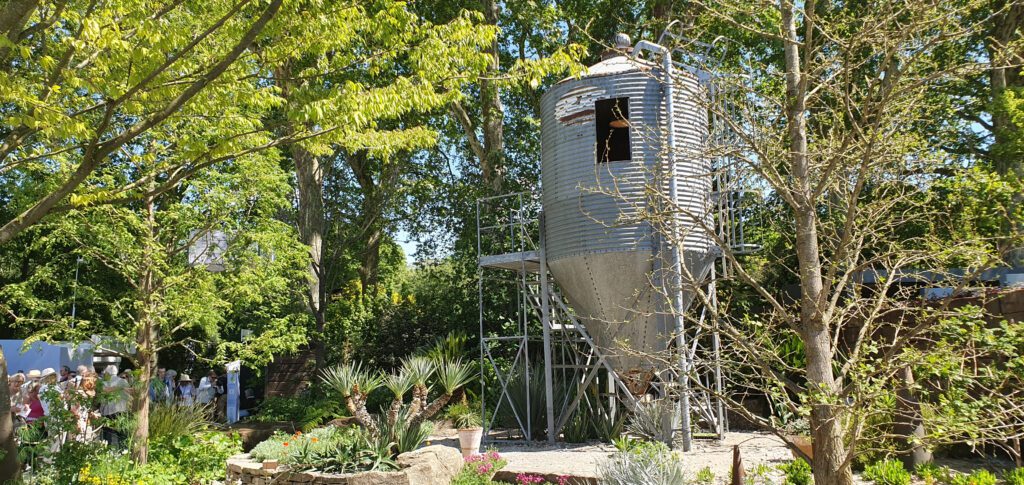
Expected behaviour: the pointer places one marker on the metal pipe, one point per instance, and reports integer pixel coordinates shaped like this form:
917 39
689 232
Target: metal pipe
673 193
545 317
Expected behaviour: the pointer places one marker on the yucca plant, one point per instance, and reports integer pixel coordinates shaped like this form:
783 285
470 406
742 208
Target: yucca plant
451 376
399 383
354 384
420 370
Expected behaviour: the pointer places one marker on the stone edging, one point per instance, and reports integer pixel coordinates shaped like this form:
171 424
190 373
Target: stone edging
426 466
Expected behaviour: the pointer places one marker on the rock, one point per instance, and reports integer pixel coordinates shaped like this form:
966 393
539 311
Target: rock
431 464
343 422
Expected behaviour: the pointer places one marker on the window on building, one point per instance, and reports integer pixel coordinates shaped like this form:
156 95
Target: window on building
612 116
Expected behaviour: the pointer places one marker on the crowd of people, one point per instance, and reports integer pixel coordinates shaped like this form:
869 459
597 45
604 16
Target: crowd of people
95 402
168 387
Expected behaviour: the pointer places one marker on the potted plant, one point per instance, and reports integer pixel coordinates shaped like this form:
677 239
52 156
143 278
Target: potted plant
467 420
798 433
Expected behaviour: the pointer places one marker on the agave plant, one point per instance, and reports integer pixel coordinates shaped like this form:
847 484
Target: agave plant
354 384
648 421
403 434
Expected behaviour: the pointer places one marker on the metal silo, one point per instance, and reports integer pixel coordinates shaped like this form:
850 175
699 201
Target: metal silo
608 138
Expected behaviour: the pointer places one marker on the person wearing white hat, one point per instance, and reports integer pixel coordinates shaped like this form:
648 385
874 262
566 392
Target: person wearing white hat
186 390
49 392
114 402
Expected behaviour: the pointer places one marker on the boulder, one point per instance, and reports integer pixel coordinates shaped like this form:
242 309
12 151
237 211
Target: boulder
431 464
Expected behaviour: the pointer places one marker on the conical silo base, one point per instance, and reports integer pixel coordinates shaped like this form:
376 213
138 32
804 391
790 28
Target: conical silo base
615 296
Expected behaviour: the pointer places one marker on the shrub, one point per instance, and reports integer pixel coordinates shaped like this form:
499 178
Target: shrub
356 452
887 472
647 421
577 428
307 411
197 457
1014 477
282 447
978 477
171 421
760 474
327 449
463 415
480 469
796 472
932 474
647 462
705 476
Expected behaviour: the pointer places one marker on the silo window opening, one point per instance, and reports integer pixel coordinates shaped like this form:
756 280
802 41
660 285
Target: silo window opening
612 117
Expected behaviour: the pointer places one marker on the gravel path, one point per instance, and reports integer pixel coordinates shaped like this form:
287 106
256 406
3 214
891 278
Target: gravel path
581 460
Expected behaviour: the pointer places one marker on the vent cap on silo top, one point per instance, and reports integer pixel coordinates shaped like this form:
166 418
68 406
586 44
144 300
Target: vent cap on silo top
621 46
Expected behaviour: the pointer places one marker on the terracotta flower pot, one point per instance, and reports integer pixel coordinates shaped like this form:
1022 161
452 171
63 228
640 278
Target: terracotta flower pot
469 440
803 443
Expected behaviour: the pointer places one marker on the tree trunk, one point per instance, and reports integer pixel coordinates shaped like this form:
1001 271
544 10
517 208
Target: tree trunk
1004 74
13 16
140 404
9 466
492 112
910 423
376 198
827 424
145 339
309 178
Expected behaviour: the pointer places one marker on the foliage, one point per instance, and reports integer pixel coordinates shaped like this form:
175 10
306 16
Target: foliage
361 452
168 422
648 420
307 410
193 457
182 460
705 476
577 428
887 472
977 477
606 427
796 472
1014 476
760 474
480 469
931 473
649 462
463 415
403 434
275 447
328 449
355 383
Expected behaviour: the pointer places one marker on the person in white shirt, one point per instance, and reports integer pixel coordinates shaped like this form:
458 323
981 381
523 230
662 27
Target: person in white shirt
186 390
207 391
113 402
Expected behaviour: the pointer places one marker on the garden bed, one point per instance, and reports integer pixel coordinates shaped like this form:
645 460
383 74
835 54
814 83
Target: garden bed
425 466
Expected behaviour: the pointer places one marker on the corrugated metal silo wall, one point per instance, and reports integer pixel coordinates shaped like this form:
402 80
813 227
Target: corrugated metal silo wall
595 207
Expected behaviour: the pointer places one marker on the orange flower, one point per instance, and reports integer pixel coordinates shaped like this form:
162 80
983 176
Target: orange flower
286 443
298 433
313 439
